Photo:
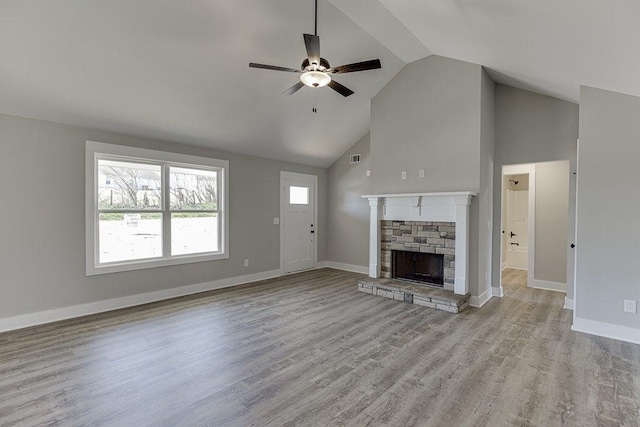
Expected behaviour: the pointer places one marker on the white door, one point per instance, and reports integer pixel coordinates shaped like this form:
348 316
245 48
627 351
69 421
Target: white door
517 229
298 225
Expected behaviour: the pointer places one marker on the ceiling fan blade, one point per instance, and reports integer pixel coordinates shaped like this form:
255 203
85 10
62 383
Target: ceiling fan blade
358 66
342 90
312 43
293 89
273 67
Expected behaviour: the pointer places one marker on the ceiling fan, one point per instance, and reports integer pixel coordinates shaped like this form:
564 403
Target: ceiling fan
315 71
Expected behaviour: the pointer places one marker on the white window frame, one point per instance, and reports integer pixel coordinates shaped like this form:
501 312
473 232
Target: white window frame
95 150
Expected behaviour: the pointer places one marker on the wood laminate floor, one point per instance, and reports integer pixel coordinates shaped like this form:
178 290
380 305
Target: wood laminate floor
309 349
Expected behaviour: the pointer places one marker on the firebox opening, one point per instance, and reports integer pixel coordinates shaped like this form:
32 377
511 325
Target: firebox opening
418 266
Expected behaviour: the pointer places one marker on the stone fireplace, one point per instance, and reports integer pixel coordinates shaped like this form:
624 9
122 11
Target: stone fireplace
421 223
421 251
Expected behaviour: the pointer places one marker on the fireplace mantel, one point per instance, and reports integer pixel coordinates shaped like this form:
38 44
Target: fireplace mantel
445 207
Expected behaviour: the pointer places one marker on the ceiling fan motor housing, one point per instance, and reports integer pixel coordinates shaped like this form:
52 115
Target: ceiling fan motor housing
306 66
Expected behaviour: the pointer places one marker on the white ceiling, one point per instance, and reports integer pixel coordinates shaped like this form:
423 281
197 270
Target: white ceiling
548 46
178 70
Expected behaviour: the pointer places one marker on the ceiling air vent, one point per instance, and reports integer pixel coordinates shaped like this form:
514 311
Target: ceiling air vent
354 158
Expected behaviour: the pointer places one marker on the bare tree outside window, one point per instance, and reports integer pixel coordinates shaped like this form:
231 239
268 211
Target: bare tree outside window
124 185
193 189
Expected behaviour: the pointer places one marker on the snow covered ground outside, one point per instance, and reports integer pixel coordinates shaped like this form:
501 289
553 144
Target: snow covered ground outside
128 240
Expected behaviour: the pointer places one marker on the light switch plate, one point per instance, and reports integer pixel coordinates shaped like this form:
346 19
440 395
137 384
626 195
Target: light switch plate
368 172
404 175
276 221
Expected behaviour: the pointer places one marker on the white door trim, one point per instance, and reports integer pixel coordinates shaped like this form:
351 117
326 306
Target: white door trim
574 302
305 177
528 168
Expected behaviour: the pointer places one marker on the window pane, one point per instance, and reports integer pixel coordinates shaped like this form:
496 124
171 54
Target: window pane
126 237
126 185
298 195
193 189
193 233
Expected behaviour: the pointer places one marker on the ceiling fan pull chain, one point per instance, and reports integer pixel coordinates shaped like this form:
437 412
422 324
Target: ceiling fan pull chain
314 109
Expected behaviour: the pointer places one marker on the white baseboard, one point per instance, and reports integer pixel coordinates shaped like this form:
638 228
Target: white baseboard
49 316
549 286
346 267
497 292
503 266
607 330
568 303
479 301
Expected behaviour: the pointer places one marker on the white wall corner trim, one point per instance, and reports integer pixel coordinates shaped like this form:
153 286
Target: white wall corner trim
55 315
347 267
568 303
497 291
479 301
607 330
550 286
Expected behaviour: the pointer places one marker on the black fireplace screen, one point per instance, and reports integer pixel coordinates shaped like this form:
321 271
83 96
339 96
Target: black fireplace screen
418 266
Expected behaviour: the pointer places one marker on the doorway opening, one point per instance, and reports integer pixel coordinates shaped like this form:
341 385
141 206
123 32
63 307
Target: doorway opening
535 225
517 252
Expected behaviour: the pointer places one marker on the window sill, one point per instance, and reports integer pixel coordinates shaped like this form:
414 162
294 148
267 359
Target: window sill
152 263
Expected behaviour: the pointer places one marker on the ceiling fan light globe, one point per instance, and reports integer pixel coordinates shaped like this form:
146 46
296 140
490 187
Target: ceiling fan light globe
315 79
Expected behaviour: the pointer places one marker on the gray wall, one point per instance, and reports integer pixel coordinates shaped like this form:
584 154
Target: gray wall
43 228
608 207
427 117
532 128
348 212
552 215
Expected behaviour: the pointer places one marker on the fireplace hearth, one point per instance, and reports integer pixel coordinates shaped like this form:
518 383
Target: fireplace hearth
418 267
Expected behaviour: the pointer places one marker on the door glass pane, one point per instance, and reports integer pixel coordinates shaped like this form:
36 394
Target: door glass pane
194 232
128 185
125 237
298 195
193 189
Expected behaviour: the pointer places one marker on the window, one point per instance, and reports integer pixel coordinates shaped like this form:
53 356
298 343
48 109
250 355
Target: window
148 208
298 195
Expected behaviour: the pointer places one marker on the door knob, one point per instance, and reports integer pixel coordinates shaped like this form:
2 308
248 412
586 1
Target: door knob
512 234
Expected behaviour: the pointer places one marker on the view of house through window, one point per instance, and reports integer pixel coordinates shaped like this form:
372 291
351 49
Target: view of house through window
129 206
154 210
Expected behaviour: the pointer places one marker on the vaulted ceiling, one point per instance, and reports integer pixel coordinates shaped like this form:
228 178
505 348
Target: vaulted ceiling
547 46
178 70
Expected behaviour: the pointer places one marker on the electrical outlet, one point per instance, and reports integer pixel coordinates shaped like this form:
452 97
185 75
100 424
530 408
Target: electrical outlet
421 173
276 221
630 306
246 262
404 175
